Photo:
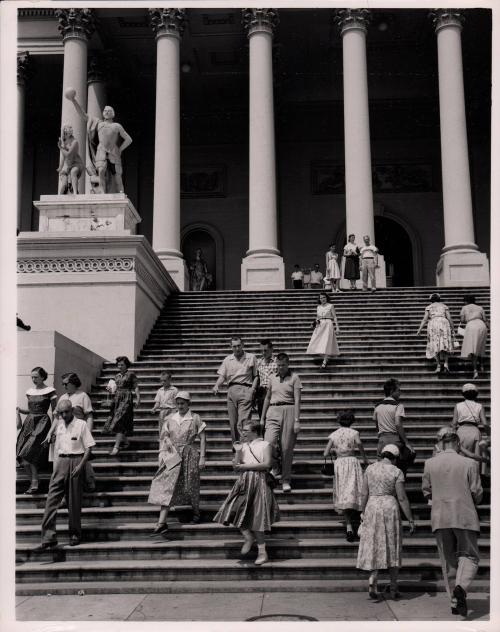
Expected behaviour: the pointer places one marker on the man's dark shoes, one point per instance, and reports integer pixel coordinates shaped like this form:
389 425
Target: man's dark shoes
74 540
460 595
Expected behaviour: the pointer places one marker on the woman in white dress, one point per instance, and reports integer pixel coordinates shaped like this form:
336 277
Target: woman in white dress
476 330
332 275
348 479
439 332
323 340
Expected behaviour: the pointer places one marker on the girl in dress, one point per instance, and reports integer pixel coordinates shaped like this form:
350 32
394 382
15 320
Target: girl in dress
351 261
323 340
381 532
439 332
332 275
348 479
36 425
251 505
121 419
476 329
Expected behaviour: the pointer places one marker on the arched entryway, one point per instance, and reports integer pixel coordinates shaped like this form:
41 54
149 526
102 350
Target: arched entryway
394 243
209 242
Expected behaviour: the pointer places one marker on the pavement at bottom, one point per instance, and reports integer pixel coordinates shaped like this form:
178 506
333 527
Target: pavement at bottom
325 606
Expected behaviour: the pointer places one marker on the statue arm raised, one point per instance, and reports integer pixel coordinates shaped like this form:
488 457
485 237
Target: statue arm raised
78 107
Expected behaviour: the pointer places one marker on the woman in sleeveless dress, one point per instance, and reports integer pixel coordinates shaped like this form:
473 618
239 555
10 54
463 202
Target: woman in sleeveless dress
351 261
439 332
251 505
476 331
332 274
323 340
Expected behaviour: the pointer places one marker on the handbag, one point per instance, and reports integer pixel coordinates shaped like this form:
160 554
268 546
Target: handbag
328 468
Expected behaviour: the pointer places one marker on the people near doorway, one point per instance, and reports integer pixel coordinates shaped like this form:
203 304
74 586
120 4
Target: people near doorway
316 277
121 418
177 480
307 278
281 418
164 399
348 476
453 484
369 263
472 316
251 505
439 332
324 337
239 371
198 272
381 533
73 443
297 277
388 417
351 261
468 420
332 274
32 432
266 367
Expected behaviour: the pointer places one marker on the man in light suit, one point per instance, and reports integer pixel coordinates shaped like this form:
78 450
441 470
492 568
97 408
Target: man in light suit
452 482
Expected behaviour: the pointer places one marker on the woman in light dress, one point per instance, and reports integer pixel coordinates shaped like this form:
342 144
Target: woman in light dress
323 340
351 261
468 416
332 274
439 332
177 480
348 479
476 330
251 505
381 533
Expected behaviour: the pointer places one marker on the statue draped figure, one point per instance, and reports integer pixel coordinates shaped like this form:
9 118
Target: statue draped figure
199 275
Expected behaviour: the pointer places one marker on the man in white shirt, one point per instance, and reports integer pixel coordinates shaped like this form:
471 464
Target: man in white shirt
316 277
369 263
73 442
297 277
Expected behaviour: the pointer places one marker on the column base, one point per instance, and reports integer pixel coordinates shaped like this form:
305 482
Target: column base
262 272
461 267
380 276
177 269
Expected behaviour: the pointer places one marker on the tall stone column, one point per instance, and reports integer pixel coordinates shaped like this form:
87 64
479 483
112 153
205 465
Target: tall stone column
76 27
23 62
262 268
353 25
96 95
460 263
168 26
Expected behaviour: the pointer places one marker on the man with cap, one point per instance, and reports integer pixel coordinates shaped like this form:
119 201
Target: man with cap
453 484
73 442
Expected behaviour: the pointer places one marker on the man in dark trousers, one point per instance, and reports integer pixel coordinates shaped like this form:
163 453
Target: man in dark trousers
452 483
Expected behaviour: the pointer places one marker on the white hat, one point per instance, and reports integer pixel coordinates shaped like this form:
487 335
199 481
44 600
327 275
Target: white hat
469 387
390 447
183 395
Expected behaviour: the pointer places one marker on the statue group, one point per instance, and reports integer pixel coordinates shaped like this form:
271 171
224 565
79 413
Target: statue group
104 152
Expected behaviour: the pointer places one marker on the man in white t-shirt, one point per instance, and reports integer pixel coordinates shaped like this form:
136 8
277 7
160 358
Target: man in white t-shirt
297 277
369 263
316 277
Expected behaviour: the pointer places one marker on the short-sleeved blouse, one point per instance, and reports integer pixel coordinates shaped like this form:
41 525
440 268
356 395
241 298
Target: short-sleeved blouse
126 381
436 310
258 447
471 312
382 478
344 440
468 411
78 398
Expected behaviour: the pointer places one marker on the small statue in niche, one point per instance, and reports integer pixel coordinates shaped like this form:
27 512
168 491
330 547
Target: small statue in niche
199 273
70 162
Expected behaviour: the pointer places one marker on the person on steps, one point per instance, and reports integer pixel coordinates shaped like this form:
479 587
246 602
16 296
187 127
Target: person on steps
164 398
324 337
439 332
472 316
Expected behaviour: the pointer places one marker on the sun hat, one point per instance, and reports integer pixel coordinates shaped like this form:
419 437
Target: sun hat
390 447
469 387
183 395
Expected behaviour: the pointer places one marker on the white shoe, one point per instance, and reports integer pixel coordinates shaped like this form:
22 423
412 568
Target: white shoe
262 559
287 487
247 546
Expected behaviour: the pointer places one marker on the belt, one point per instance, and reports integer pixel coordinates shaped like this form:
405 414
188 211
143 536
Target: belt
69 456
467 423
238 384
283 404
365 258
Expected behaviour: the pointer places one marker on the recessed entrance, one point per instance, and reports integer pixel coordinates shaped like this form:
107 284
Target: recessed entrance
201 239
393 242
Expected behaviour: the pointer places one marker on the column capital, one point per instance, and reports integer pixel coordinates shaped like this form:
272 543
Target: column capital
23 67
97 67
352 19
76 23
260 20
446 17
167 22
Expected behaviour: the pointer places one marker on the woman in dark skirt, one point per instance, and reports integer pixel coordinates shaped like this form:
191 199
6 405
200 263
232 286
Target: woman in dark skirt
29 446
121 419
251 505
351 265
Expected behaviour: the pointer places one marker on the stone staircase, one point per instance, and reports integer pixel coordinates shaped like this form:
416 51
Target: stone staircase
307 548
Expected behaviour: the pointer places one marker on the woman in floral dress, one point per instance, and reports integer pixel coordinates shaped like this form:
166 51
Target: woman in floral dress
439 332
332 275
348 479
323 340
476 330
177 480
36 425
381 536
121 419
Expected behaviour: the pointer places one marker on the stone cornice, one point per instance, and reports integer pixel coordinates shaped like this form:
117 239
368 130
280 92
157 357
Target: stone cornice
76 23
36 13
442 18
352 19
167 22
260 20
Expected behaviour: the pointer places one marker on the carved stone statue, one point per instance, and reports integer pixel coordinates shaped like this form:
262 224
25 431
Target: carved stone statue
199 273
105 154
70 163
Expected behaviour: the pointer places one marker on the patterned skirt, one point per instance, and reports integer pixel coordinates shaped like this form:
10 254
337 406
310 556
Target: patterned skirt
381 537
29 440
250 504
181 484
121 418
438 337
347 484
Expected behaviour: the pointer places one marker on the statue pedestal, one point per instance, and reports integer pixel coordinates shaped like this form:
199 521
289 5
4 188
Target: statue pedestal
262 272
104 212
463 267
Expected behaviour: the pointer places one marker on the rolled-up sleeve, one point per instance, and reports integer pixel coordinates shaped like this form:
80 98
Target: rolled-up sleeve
222 370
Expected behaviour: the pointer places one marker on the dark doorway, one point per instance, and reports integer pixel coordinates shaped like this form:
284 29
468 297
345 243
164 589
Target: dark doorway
393 242
202 239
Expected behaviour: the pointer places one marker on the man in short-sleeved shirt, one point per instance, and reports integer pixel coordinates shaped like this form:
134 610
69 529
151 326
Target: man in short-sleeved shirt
297 277
266 367
316 277
239 371
369 263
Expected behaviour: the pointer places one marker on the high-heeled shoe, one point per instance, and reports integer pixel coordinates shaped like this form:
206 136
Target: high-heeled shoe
114 451
372 591
32 489
262 559
247 545
160 528
438 369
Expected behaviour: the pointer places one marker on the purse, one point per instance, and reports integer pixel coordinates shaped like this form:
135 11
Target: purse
328 468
